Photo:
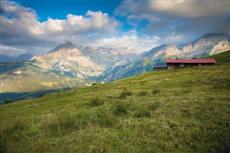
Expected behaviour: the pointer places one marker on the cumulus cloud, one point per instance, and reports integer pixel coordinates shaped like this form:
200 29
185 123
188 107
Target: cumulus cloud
76 24
191 8
10 51
164 22
173 38
178 18
130 40
183 8
19 26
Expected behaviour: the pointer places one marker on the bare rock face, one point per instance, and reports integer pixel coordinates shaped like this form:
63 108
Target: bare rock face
69 61
172 51
81 62
220 47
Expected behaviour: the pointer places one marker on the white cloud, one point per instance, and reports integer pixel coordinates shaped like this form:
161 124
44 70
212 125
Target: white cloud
182 8
96 29
75 24
19 26
172 19
11 51
130 40
173 38
191 8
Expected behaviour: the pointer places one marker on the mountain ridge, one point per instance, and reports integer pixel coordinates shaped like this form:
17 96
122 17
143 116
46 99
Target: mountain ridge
205 46
69 63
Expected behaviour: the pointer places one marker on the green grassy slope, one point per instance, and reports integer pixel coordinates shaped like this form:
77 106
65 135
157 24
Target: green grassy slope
222 57
184 111
33 79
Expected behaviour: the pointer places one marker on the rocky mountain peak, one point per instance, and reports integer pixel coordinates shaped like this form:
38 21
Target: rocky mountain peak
66 45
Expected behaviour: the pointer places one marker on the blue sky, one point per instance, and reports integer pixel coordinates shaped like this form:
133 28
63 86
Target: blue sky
60 8
37 26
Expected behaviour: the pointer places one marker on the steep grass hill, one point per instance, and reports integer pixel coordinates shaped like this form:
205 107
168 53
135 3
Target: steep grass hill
184 110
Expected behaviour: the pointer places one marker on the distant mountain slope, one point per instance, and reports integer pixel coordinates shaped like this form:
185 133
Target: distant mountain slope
20 58
65 66
183 110
109 57
28 78
9 66
81 62
203 47
68 61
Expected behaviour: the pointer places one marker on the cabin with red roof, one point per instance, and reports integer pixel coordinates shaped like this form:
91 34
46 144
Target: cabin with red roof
177 63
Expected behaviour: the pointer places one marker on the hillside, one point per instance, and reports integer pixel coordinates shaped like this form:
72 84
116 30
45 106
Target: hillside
183 110
222 57
29 78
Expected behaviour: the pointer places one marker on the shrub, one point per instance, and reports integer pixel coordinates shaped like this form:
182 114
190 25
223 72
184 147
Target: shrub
96 102
155 91
125 93
142 93
120 110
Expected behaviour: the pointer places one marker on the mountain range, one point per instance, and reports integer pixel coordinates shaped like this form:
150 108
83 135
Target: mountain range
69 65
205 46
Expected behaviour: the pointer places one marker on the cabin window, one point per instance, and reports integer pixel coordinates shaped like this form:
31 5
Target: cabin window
181 65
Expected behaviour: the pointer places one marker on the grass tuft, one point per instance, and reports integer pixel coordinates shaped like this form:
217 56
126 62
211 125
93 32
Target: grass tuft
125 93
17 128
142 93
96 102
142 112
120 109
154 106
3 145
102 118
155 91
64 123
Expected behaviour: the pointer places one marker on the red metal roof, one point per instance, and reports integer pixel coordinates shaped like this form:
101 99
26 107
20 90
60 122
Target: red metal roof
208 61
